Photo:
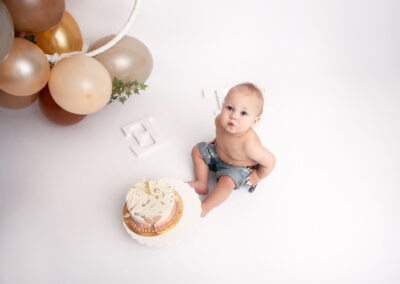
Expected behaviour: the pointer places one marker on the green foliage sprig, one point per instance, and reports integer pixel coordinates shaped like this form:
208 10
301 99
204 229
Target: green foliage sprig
30 38
123 90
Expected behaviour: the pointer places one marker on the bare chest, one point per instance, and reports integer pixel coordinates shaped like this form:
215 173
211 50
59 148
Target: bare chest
232 150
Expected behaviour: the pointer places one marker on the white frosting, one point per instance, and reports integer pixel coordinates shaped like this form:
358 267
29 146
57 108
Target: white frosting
147 202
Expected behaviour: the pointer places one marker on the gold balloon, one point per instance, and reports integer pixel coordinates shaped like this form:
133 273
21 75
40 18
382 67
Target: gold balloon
26 69
16 102
129 59
63 38
80 84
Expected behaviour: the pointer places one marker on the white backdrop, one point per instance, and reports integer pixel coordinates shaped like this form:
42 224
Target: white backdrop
329 213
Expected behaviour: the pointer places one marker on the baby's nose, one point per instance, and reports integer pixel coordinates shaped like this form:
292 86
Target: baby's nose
234 114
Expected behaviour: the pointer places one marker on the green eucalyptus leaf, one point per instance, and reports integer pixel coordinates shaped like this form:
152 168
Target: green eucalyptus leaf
123 90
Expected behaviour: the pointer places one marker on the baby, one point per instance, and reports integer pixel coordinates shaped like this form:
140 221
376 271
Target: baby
236 154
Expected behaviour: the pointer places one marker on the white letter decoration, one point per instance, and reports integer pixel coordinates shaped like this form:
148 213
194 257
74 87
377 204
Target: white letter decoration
218 95
145 135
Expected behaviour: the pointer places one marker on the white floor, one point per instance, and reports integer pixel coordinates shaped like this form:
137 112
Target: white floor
329 213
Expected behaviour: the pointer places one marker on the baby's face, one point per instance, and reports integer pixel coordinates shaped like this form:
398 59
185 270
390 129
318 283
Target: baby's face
240 112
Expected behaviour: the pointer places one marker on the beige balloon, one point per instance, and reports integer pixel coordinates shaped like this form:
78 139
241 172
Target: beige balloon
26 69
129 59
80 84
6 32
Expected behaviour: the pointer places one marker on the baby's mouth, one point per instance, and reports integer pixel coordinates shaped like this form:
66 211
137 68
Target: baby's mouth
230 124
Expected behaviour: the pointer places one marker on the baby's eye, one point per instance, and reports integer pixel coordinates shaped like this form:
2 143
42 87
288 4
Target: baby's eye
243 113
229 108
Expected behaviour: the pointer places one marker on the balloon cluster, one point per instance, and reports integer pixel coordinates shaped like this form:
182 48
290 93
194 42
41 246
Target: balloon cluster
76 85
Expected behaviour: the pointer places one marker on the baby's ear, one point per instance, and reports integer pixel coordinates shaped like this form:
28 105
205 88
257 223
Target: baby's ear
256 119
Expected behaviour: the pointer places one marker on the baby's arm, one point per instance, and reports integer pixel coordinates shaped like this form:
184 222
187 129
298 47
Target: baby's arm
262 156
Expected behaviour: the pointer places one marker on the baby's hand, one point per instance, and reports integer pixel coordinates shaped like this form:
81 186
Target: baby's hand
253 178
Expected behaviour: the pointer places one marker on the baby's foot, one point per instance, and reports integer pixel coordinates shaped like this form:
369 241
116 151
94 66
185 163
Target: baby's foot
204 210
199 187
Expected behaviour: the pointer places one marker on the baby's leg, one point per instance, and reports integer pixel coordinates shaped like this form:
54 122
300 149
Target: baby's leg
201 172
219 194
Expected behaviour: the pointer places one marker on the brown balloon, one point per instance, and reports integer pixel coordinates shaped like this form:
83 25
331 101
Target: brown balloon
35 15
54 112
16 102
63 38
129 59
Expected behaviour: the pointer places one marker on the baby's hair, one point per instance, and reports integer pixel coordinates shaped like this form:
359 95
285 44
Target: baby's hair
253 90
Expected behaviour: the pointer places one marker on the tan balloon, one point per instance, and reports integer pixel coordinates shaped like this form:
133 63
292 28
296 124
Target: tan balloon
35 15
16 102
128 60
80 84
26 69
63 38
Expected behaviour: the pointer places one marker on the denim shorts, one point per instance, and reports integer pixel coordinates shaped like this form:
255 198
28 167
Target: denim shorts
209 154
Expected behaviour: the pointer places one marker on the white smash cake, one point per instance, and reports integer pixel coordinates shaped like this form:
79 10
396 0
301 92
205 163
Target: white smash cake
152 207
